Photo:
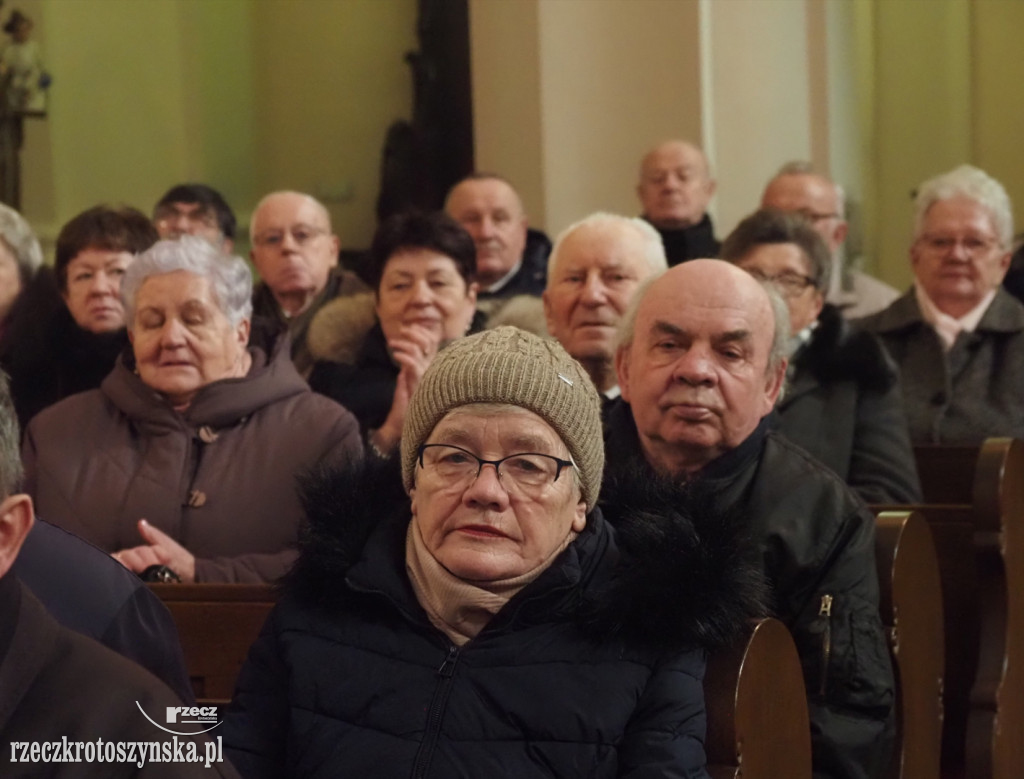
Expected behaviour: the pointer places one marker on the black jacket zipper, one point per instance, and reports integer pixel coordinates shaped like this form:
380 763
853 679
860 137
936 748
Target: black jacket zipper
825 611
434 716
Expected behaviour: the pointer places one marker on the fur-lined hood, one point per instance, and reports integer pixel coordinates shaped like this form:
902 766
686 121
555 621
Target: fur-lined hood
837 352
339 329
681 575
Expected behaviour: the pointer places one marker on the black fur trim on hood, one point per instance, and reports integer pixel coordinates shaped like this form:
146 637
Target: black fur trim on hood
689 574
838 352
343 506
684 576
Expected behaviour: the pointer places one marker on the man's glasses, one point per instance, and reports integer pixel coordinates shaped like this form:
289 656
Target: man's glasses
815 216
301 235
530 471
973 244
789 283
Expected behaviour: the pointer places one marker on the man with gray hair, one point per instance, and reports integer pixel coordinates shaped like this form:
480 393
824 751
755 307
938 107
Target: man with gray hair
701 363
957 335
594 269
798 187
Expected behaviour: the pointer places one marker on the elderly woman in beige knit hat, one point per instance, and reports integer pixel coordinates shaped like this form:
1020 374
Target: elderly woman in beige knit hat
488 620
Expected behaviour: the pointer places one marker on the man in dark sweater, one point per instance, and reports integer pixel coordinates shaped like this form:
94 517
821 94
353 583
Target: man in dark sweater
675 189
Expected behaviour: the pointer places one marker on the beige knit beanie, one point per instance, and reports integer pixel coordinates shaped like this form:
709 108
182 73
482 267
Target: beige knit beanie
509 365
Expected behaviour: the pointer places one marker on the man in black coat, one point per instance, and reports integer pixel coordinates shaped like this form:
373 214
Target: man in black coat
511 258
700 367
675 188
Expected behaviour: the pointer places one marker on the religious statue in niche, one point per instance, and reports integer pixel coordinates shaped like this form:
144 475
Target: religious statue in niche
21 68
23 85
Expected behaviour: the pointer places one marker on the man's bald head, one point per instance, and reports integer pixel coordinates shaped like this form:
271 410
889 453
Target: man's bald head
698 365
489 209
817 198
675 185
293 248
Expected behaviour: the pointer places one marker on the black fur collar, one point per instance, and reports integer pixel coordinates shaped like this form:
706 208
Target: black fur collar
683 575
837 352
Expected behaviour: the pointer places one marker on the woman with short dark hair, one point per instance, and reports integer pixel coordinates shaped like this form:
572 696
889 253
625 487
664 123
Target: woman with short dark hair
373 348
68 327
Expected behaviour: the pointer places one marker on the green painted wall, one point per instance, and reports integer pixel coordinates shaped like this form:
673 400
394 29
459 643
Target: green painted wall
246 95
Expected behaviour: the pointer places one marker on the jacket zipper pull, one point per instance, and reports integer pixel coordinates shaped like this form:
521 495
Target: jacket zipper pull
448 666
826 639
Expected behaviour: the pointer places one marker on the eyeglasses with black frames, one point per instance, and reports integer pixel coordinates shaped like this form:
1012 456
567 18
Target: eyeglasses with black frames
530 471
789 283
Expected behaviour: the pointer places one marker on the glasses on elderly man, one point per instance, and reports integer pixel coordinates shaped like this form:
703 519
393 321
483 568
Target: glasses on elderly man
301 234
789 283
973 244
526 470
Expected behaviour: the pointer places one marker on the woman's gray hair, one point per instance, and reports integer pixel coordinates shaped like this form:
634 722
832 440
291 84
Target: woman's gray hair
22 241
974 184
229 276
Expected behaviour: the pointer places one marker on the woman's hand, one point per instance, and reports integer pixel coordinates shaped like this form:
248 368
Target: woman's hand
159 549
413 350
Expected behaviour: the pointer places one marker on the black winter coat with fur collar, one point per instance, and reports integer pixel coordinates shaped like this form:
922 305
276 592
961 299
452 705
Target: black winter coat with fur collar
843 405
593 670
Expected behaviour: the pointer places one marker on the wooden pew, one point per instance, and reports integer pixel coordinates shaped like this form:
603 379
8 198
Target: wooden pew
217 623
910 603
758 725
975 509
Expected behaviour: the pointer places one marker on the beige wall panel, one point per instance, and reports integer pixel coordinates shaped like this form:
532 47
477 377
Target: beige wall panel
505 65
618 76
760 98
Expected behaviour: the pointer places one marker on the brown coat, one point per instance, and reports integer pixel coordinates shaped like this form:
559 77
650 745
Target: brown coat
219 477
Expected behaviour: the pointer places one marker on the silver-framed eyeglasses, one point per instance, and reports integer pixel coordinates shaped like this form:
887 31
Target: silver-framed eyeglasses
527 470
301 234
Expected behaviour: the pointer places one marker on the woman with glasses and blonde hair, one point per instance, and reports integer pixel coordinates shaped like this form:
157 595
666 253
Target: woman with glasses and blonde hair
488 620
842 400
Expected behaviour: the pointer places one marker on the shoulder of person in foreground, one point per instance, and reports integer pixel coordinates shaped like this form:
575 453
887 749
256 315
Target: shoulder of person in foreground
60 684
86 590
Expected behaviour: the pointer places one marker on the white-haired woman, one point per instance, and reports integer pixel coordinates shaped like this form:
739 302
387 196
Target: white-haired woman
186 456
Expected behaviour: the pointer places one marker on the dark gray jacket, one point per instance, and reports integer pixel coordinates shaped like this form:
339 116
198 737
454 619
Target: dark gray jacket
974 391
844 406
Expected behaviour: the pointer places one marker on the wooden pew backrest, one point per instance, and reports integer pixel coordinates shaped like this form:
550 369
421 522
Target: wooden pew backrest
910 602
758 726
217 624
975 509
